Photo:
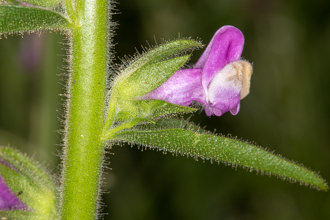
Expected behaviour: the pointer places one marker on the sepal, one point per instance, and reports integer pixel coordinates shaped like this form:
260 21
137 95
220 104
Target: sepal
148 77
144 75
29 192
149 109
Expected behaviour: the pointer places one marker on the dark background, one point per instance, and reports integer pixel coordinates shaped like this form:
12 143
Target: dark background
287 111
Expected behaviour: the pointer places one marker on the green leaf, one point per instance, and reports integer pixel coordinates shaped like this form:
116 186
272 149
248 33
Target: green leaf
149 77
44 3
33 3
168 123
16 19
181 137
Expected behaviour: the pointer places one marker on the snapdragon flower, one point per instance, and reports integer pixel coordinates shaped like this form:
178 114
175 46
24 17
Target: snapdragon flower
219 79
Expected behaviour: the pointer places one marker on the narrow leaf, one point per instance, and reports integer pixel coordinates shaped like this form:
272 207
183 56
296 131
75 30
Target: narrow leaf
15 19
168 123
44 3
203 145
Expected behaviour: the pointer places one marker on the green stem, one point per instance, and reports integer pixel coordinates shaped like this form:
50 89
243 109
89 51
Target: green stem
85 120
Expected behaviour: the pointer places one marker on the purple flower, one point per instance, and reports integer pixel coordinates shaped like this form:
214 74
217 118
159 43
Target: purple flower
219 79
8 199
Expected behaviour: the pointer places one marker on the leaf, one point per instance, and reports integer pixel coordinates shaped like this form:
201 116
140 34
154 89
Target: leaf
44 3
32 3
180 137
168 123
15 19
149 77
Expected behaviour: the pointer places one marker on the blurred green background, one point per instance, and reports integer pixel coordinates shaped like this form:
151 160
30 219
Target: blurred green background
287 111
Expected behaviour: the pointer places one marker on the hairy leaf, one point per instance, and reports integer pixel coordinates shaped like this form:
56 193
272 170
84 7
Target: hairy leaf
181 137
44 3
168 123
16 19
32 3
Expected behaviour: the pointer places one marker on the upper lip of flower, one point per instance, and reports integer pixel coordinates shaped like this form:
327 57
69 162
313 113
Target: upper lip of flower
225 46
218 80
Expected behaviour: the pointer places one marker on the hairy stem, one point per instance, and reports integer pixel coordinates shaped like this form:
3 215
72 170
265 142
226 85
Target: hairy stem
85 120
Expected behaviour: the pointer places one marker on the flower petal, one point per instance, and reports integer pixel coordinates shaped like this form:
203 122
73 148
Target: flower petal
8 199
226 46
224 92
182 88
235 110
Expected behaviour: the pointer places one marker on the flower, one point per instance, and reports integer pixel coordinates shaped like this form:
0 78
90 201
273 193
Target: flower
8 199
219 79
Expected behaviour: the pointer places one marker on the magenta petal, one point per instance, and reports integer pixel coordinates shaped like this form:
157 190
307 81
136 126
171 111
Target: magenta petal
208 111
226 46
182 88
212 110
223 94
235 110
224 105
8 199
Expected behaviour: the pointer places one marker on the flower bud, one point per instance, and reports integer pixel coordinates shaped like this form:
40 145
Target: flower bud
26 191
